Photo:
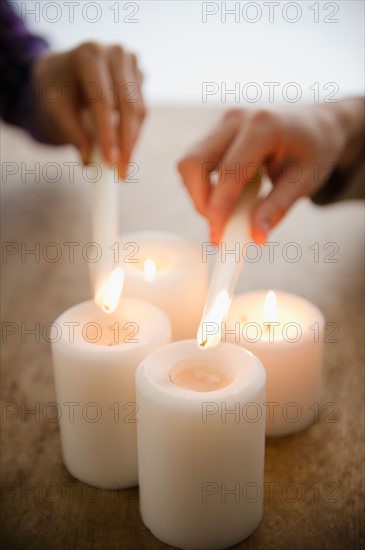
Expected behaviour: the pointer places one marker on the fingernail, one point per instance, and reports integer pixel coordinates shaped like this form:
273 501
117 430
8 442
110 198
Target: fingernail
85 156
214 236
122 172
122 169
261 230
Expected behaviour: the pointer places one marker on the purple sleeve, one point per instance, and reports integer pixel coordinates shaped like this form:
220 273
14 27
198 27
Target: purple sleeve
18 50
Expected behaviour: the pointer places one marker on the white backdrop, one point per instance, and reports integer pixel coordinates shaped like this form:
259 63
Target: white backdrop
182 44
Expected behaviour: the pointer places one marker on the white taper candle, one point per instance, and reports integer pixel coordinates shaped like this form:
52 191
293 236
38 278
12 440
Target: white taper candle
104 221
227 268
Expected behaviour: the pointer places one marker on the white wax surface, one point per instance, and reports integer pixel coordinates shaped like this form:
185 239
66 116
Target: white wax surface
180 284
200 375
195 446
95 387
289 352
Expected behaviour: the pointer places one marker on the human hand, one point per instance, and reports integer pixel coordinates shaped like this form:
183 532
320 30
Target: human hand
300 146
98 79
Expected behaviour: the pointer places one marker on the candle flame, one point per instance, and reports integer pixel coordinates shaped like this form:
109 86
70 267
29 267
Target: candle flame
270 307
108 295
149 270
210 328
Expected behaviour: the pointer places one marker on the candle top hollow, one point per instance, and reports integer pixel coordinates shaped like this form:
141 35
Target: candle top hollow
201 376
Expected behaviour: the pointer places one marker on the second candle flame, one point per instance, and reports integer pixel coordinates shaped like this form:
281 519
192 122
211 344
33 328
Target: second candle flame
270 307
108 295
150 269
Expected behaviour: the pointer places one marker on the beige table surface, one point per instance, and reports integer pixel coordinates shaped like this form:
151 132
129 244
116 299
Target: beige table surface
43 506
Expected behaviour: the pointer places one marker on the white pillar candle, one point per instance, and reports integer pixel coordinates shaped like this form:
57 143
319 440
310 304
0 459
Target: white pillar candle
201 431
95 356
286 334
168 271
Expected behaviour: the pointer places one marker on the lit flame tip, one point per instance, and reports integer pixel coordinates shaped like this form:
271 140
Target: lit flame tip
215 316
108 295
149 269
270 307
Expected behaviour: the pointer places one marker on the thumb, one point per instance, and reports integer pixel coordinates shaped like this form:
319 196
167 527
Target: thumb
270 210
74 132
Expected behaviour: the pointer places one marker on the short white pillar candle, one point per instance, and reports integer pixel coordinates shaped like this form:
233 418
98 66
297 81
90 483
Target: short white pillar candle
168 271
201 431
288 339
95 356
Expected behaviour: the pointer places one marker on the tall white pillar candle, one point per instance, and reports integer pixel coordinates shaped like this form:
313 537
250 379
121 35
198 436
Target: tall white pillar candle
201 430
95 356
168 271
288 339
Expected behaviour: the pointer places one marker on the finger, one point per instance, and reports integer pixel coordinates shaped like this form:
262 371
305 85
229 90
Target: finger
196 174
94 77
234 173
140 112
270 210
253 144
72 130
137 117
129 101
198 164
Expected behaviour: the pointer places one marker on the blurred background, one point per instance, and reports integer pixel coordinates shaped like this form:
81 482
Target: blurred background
182 44
193 55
